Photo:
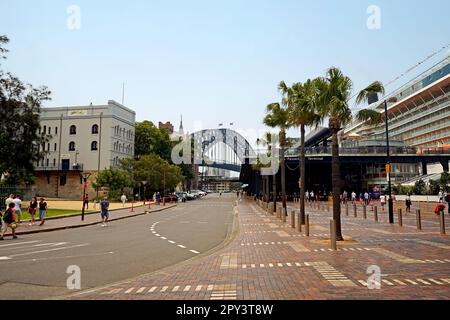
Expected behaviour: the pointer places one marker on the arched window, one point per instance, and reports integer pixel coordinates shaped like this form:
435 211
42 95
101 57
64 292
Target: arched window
95 129
72 146
73 130
94 146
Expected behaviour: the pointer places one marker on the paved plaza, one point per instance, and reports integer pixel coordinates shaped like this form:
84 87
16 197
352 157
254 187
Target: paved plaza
265 258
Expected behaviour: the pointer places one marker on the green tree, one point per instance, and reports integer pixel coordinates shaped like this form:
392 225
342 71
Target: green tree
20 107
420 188
278 117
433 187
333 102
113 178
302 113
149 139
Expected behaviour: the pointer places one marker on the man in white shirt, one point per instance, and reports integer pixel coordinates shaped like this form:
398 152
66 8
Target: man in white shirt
17 208
123 198
9 200
353 197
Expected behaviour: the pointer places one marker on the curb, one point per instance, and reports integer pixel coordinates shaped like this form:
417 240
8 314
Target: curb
88 224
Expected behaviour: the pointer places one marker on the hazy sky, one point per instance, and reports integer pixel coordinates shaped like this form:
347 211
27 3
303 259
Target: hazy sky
212 61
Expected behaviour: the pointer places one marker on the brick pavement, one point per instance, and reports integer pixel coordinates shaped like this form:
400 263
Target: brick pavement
269 260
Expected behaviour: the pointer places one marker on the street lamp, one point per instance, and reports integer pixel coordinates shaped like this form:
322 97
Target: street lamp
388 161
85 177
144 183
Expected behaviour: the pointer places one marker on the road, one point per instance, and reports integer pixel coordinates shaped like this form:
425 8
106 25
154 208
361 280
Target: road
35 266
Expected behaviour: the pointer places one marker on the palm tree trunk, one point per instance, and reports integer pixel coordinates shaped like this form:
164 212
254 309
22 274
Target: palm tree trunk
301 217
283 172
336 181
274 190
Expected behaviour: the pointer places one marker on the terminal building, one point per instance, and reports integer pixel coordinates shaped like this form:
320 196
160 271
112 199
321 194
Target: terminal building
83 141
419 134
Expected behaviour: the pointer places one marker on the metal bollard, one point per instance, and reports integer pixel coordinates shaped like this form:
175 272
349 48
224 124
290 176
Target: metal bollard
375 213
307 226
284 213
400 218
293 219
364 211
442 221
346 209
418 220
333 234
355 211
328 208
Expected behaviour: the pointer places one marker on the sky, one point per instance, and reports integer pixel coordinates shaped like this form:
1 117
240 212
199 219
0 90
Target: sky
213 61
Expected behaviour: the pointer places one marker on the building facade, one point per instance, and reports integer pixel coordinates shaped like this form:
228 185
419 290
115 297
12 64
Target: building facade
83 141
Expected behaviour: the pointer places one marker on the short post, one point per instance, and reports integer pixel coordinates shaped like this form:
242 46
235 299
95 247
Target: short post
132 206
307 225
333 234
442 221
346 209
375 213
164 201
293 219
149 204
328 208
355 211
418 220
299 224
284 213
364 211
400 218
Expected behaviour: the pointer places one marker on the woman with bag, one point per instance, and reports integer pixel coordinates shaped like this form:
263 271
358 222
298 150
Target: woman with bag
408 203
32 209
9 221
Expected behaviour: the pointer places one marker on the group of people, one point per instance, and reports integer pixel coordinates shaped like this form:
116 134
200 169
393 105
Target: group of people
11 217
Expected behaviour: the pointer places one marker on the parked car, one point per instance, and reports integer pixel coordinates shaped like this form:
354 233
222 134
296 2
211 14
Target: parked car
171 198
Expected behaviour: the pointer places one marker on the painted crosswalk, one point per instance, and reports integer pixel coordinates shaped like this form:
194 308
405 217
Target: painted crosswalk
331 274
403 282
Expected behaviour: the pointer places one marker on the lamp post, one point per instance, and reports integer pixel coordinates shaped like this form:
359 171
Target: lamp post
144 183
388 161
84 176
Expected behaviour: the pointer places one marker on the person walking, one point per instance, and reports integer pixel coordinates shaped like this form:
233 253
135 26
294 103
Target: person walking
43 207
307 195
9 221
86 201
353 197
408 202
123 198
366 198
158 198
9 200
344 197
104 205
32 208
382 202
311 195
440 196
17 208
447 199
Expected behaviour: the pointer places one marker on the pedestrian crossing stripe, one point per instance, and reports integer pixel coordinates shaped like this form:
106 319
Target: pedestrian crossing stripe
411 282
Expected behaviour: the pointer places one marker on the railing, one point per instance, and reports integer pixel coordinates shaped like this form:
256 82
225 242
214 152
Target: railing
73 167
378 151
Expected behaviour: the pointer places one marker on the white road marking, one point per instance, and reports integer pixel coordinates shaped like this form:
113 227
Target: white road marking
141 290
129 291
193 251
187 288
181 246
18 243
152 289
164 289
49 250
172 242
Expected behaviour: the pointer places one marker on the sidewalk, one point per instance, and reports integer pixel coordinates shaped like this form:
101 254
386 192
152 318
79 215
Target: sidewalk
269 259
92 218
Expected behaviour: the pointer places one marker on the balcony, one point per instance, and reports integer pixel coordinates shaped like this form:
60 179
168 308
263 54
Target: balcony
62 167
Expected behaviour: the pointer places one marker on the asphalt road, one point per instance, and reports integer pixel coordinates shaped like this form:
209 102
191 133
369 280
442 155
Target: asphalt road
35 266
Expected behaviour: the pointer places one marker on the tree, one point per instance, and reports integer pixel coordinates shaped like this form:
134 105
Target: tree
115 179
20 107
278 117
151 140
159 174
333 102
420 187
302 113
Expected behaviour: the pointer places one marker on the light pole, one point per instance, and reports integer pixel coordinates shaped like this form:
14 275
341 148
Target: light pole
388 161
84 176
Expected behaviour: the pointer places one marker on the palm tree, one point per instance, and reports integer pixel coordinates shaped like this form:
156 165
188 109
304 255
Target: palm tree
278 117
302 113
333 102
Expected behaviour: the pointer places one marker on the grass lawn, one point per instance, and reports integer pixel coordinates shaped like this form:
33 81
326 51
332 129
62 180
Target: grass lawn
51 213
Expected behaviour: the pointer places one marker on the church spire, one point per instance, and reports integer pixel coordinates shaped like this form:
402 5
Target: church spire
181 131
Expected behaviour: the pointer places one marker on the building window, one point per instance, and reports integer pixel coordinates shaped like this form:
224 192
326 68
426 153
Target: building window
95 129
54 162
56 147
44 130
47 162
94 146
48 146
56 130
73 130
72 146
49 130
